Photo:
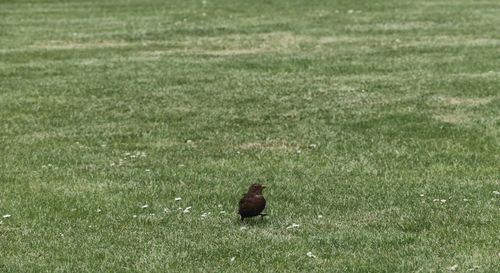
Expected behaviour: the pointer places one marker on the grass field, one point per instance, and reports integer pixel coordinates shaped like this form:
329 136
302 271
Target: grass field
375 124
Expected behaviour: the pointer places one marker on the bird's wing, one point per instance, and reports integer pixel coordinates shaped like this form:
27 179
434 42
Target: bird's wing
244 201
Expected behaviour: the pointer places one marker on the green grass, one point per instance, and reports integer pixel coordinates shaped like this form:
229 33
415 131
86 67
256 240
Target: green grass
383 117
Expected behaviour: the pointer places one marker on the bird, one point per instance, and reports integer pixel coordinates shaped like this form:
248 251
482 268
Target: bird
252 203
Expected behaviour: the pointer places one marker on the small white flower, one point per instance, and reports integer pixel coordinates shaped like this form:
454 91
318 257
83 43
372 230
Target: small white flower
166 210
453 268
148 170
98 210
178 199
422 195
219 205
312 146
7 216
222 212
189 141
350 11
293 226
144 206
496 192
443 200
134 216
310 255
320 216
243 228
435 200
232 259
205 214
187 210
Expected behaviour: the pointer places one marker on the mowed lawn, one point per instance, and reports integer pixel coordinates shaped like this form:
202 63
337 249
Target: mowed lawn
374 124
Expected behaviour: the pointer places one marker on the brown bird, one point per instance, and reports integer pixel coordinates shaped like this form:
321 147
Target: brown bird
252 203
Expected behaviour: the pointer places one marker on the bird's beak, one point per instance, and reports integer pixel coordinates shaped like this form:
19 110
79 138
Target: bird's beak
264 186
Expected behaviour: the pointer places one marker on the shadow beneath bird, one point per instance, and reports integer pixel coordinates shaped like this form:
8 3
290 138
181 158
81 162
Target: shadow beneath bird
253 221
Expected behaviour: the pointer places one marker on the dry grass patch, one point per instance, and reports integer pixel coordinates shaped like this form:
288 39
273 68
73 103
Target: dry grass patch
233 45
392 26
456 101
238 44
432 41
270 146
55 45
461 115
453 118
226 45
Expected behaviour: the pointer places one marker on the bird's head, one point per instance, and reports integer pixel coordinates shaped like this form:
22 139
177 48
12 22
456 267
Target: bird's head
256 188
